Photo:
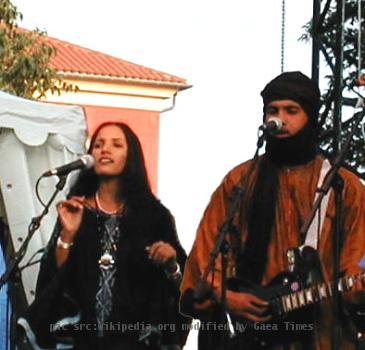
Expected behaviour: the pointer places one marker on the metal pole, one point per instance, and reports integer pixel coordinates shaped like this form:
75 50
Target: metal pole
315 40
338 86
359 56
338 81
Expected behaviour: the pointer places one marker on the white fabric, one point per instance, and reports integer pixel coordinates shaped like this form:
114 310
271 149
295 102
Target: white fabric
34 137
34 121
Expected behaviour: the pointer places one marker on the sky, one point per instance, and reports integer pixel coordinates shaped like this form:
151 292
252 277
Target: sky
228 50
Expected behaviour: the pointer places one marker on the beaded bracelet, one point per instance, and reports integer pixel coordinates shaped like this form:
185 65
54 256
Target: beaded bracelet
174 274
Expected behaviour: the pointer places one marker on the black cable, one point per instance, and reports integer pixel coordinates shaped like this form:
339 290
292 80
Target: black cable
30 262
37 191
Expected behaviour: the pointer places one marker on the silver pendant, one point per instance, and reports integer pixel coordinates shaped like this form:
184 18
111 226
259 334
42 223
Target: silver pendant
106 261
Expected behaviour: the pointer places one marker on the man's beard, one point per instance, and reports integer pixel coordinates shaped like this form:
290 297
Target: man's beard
298 149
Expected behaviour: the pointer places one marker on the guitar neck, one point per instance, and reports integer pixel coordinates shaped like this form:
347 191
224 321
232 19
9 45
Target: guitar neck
315 293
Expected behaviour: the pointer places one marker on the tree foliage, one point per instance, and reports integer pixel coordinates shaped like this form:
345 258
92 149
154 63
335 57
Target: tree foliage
24 58
355 159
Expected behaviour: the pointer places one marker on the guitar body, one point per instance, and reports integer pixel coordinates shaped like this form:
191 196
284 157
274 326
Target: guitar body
282 328
293 298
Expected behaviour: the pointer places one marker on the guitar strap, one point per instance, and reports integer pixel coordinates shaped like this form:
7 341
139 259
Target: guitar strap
315 229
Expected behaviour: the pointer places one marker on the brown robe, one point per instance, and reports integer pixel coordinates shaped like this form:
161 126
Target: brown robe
296 192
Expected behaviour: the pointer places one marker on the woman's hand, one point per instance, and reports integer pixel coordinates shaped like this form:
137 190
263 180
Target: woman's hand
162 253
70 213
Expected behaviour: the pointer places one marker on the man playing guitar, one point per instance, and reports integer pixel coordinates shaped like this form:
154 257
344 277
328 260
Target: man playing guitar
277 198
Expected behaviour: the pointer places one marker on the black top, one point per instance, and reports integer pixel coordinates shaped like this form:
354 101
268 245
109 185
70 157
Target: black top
142 294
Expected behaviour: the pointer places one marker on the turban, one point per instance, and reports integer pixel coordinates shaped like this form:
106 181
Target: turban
297 87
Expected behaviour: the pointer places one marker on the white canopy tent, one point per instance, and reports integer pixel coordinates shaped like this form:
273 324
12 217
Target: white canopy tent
34 137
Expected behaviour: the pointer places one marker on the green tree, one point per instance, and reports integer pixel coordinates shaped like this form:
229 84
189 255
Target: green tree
355 159
24 58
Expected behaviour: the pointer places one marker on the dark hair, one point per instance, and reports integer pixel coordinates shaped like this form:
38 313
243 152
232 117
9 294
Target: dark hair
135 187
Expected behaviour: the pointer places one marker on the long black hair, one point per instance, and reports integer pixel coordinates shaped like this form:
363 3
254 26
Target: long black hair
134 184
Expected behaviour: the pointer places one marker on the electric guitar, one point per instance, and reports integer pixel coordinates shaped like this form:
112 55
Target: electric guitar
288 297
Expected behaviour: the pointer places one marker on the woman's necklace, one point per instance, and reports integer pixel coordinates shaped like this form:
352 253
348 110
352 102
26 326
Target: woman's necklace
98 206
109 248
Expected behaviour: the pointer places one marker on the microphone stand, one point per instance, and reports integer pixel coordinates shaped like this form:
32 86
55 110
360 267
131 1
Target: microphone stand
222 247
334 180
12 272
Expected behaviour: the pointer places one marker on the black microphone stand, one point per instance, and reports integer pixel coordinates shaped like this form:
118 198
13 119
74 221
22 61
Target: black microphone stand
12 272
334 180
222 247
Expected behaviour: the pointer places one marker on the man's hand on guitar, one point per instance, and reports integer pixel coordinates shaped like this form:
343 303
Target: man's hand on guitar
248 306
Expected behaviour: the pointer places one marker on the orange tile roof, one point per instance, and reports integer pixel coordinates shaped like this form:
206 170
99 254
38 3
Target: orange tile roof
71 59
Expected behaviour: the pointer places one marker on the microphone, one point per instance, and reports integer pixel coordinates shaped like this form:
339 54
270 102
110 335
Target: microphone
85 161
272 126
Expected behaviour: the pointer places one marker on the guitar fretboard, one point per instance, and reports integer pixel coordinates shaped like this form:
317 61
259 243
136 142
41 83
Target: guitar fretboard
315 293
